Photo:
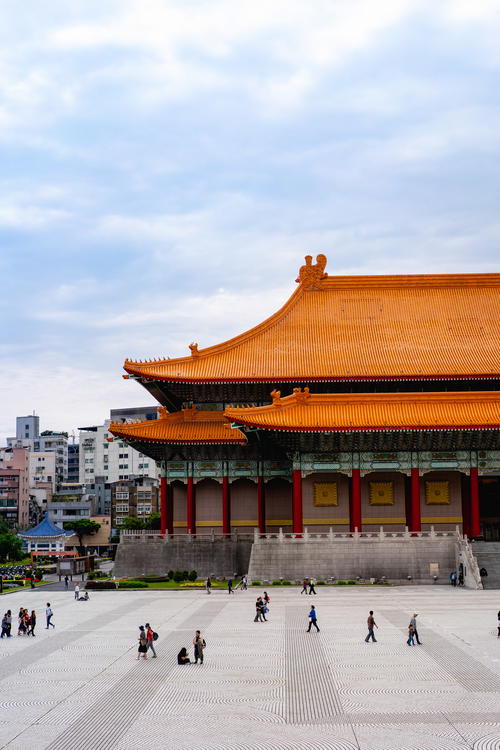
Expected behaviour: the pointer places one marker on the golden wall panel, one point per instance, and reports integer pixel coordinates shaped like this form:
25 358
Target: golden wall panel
325 494
381 493
437 493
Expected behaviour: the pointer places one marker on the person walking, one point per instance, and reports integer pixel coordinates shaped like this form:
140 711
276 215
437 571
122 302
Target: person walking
77 591
150 636
413 623
208 585
66 582
32 623
9 623
371 624
313 619
259 610
5 624
244 583
304 586
411 635
312 583
49 614
498 624
199 644
453 578
230 586
142 649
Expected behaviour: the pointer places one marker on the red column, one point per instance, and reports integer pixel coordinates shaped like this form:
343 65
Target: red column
261 504
465 486
355 520
163 505
297 525
226 506
415 522
191 506
475 524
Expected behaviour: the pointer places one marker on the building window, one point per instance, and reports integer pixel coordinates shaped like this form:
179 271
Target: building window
122 495
122 508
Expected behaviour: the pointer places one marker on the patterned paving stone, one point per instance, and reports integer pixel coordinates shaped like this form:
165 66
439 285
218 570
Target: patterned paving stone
262 685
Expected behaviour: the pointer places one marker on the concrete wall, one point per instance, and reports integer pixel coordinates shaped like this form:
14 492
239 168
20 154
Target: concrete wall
397 558
221 557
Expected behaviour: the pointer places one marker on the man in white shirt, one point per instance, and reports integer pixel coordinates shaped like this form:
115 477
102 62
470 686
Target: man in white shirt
48 615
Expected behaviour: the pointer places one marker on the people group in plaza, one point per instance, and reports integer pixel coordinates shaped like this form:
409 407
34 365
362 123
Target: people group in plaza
147 637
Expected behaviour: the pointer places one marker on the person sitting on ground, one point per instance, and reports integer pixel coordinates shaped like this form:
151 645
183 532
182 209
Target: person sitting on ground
183 656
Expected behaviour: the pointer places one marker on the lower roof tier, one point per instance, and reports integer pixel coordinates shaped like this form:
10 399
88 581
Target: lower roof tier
306 412
188 426
323 422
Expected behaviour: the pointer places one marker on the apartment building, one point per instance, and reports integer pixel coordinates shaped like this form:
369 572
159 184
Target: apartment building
28 436
136 497
14 486
114 461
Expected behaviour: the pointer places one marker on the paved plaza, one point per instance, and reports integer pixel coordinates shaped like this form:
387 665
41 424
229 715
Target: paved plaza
263 685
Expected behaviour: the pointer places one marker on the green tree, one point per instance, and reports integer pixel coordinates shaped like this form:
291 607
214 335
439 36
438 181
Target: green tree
131 523
153 521
83 527
11 547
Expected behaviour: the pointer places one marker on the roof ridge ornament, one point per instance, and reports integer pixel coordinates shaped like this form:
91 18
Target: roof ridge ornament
301 396
276 397
194 349
162 412
310 275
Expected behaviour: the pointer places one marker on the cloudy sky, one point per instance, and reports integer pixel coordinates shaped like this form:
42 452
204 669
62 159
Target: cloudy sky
166 165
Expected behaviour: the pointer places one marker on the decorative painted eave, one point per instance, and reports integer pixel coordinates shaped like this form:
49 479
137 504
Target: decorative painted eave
188 426
369 412
356 328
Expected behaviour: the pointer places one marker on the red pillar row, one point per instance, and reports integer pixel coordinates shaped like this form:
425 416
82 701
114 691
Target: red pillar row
191 506
415 516
355 504
226 506
475 519
261 505
297 521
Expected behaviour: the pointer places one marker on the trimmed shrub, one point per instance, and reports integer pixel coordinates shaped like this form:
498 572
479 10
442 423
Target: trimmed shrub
170 574
96 574
185 575
351 583
341 583
178 576
256 583
101 585
153 579
286 583
193 575
132 585
320 583
276 582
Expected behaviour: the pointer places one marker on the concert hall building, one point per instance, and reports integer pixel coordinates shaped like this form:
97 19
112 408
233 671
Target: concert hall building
365 401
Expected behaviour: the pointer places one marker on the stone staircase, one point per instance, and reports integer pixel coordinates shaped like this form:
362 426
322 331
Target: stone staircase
487 555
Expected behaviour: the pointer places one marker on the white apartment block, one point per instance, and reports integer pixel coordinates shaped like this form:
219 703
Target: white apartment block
112 461
28 436
43 469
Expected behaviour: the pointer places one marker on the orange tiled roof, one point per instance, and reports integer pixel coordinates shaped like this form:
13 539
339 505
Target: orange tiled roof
356 328
306 412
186 426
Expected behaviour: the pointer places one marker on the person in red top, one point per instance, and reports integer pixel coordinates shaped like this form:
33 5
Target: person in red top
150 639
